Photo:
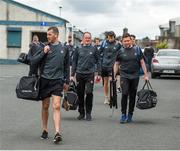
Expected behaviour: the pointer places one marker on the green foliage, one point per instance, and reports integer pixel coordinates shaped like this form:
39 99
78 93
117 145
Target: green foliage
162 45
146 39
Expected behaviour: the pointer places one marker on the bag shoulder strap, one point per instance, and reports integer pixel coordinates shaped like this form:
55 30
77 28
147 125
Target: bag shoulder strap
138 51
104 43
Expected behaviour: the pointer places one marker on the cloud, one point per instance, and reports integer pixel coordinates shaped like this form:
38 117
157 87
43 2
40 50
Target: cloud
141 17
90 7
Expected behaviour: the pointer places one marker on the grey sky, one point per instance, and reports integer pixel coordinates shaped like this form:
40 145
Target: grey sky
141 17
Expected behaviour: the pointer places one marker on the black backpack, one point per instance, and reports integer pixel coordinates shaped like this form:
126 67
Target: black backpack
70 100
147 98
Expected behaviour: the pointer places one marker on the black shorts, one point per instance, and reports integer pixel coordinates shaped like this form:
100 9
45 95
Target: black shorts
49 87
106 72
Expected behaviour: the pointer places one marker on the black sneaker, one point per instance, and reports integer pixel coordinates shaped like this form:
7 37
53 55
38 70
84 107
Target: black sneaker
80 117
88 117
44 135
57 138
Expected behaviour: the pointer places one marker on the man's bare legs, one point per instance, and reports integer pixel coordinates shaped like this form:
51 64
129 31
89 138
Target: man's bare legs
56 103
106 90
45 113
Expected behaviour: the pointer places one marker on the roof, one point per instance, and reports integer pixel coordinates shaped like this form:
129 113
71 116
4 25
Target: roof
166 26
35 10
177 20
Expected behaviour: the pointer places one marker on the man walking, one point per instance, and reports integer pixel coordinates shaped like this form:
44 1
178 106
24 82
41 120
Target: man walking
84 60
108 53
130 59
149 54
54 75
34 47
70 47
97 43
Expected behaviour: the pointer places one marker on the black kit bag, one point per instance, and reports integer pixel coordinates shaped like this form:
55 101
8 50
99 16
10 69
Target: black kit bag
70 100
28 88
23 58
147 98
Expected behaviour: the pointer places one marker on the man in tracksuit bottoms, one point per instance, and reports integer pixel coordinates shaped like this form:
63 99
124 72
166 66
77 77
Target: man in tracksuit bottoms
108 52
54 76
84 60
130 60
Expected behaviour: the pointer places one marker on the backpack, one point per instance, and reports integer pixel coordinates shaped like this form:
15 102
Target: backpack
70 100
138 51
147 98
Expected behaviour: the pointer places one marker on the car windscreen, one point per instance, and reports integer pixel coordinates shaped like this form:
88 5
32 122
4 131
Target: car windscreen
169 53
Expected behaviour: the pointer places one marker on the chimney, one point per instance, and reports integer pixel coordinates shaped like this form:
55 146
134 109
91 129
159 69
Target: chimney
161 31
172 27
125 30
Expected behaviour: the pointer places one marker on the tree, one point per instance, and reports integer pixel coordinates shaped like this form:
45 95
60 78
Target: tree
162 45
146 39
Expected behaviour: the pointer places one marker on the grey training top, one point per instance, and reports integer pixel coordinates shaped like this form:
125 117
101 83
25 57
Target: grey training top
108 53
84 60
130 62
54 64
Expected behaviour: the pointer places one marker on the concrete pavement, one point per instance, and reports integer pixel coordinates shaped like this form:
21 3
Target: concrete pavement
158 128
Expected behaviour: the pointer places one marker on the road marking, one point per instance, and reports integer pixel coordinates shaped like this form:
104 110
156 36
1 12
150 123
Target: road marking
7 76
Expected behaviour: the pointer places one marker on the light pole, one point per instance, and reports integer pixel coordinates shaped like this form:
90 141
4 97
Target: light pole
60 7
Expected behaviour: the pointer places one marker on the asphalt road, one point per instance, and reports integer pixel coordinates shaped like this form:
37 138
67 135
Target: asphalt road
157 128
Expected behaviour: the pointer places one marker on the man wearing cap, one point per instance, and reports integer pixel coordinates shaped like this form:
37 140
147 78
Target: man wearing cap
108 51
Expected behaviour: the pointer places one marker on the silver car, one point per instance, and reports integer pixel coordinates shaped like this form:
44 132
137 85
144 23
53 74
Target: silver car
166 61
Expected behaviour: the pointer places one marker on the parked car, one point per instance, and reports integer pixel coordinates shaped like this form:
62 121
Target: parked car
166 61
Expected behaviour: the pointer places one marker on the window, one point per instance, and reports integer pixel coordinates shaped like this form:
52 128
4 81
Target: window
14 37
169 53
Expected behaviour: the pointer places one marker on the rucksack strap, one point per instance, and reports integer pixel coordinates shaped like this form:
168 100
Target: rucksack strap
104 43
138 51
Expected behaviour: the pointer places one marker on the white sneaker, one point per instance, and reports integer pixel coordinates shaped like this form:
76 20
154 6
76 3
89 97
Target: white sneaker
119 89
106 101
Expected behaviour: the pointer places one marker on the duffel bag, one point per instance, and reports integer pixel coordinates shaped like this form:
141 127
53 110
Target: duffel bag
23 58
28 88
70 100
146 97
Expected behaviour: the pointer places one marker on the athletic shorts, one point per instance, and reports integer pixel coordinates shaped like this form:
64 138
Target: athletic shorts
49 87
106 72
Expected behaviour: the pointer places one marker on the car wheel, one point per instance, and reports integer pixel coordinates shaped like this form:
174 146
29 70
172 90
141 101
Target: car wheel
153 75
